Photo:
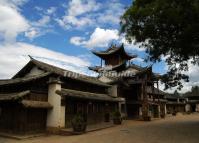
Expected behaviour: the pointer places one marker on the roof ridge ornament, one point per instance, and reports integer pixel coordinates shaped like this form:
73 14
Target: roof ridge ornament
31 58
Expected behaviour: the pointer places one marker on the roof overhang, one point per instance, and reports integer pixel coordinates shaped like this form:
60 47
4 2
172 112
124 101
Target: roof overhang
23 79
88 95
113 51
36 104
13 96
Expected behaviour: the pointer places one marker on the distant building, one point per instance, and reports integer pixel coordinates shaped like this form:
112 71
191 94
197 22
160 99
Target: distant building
192 103
175 104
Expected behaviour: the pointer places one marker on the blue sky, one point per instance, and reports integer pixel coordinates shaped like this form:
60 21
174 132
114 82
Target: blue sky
61 32
58 37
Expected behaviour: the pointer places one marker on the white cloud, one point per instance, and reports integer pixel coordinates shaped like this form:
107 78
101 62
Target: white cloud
111 13
89 13
13 55
131 46
42 22
193 77
77 40
12 22
18 52
99 38
51 10
13 3
46 11
39 27
32 33
38 8
74 14
43 25
69 21
102 38
138 59
79 7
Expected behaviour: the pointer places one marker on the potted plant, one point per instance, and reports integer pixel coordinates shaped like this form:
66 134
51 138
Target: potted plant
117 119
107 117
147 118
78 123
174 113
162 115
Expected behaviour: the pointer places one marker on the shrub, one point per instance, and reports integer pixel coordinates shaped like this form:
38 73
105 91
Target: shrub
78 123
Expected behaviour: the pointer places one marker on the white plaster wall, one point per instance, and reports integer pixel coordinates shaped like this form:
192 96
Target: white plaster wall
34 71
165 109
113 91
159 111
54 115
187 108
140 111
197 107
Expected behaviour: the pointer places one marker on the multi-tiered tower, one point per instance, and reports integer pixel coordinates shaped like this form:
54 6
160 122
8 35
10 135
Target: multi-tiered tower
115 58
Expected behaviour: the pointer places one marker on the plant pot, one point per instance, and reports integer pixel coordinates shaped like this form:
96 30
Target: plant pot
107 118
79 128
147 118
117 121
162 116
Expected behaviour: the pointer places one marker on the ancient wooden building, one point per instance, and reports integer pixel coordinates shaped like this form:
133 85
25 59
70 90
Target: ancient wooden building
134 83
44 97
175 104
192 103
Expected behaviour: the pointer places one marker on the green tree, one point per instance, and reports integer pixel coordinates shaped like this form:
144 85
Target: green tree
168 28
194 91
176 94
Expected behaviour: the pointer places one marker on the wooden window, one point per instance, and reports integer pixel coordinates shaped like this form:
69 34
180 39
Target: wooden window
94 108
123 108
90 107
97 107
63 102
79 107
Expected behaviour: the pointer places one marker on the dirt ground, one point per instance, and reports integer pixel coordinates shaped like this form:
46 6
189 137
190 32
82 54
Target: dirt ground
179 129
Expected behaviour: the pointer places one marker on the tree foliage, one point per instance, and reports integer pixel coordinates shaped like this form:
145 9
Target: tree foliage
166 28
194 92
176 94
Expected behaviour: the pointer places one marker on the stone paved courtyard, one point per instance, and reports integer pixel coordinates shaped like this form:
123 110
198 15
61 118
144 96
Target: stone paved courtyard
179 129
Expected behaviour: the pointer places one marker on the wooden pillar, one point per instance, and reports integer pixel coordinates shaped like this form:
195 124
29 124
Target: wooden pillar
157 85
145 106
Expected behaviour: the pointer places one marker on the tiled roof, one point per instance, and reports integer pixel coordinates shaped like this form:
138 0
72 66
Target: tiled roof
62 72
87 95
13 96
23 79
113 50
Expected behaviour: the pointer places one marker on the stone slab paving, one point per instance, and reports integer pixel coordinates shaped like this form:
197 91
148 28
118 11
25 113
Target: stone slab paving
178 129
